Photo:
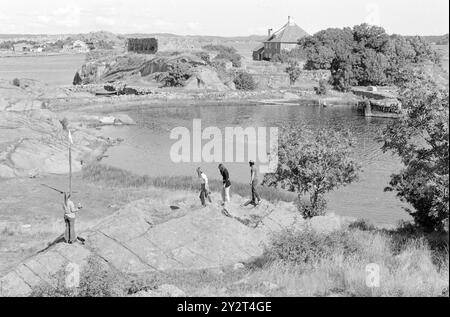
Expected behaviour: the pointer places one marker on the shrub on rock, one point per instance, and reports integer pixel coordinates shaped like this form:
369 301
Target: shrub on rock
322 90
177 75
244 81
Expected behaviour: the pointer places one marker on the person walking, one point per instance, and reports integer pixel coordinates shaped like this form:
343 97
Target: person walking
226 184
69 218
204 190
256 199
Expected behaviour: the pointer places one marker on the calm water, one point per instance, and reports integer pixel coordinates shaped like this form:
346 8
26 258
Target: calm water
146 149
53 70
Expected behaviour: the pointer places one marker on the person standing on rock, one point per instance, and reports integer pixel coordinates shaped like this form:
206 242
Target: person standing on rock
204 190
256 199
226 184
69 218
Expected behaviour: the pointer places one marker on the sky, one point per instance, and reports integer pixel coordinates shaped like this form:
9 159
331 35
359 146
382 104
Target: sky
219 17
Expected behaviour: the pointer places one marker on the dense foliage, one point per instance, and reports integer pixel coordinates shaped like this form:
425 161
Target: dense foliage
244 81
294 72
225 53
309 247
364 55
204 57
313 163
421 140
177 75
322 89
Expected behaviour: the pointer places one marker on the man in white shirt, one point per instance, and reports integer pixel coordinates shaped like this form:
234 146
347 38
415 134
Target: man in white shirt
69 218
204 191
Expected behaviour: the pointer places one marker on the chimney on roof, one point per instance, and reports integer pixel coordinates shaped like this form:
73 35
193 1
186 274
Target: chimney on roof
269 32
290 20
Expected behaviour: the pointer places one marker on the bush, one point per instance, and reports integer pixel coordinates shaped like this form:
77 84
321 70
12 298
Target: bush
322 90
177 75
244 81
309 247
294 72
16 82
96 280
204 57
225 53
362 225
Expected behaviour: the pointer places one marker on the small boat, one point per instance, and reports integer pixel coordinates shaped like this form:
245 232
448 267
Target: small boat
105 93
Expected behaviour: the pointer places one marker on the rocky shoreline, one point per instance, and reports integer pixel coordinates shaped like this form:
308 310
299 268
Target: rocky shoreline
33 141
32 137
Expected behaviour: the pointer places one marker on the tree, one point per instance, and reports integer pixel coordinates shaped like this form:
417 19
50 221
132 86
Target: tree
322 47
373 69
371 37
294 72
364 55
343 71
421 140
313 164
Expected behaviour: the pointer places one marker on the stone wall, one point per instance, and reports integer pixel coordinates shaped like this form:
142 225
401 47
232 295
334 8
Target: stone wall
280 79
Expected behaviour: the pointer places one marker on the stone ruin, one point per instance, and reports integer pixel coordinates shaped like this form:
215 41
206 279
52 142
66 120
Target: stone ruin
143 46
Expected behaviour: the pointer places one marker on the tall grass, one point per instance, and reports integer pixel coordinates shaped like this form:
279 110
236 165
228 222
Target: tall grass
306 263
116 177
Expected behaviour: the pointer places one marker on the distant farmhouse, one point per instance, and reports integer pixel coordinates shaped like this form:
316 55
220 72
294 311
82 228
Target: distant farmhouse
284 39
143 45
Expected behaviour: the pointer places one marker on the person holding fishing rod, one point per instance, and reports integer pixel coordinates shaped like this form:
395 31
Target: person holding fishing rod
70 210
69 216
68 206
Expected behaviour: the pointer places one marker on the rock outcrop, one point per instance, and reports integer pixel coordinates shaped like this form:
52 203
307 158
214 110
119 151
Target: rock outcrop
147 236
141 71
205 78
32 139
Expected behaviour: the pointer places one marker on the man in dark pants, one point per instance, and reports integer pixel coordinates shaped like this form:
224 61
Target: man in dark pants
256 199
226 184
69 218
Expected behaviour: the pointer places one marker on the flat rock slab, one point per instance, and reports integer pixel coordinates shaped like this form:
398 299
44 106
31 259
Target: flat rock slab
132 241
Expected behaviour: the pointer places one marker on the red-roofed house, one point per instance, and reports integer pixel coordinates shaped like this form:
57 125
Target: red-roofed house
284 39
